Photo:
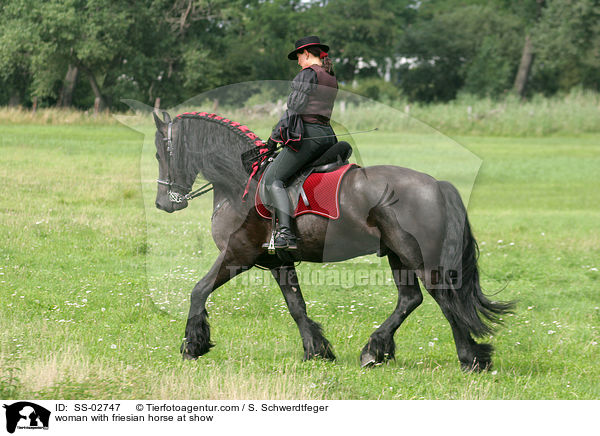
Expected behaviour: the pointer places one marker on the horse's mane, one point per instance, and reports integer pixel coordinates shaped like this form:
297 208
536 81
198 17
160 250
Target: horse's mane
216 144
243 131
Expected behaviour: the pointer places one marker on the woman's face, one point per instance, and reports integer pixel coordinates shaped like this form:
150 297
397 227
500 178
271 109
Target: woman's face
304 59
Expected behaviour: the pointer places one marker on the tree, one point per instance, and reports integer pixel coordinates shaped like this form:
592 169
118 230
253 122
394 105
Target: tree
15 62
59 38
524 67
471 47
362 30
567 45
75 51
530 12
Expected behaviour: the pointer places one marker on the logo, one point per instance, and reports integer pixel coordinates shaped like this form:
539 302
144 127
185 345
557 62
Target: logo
25 415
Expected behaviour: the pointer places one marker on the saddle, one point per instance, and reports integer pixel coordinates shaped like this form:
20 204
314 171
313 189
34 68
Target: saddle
333 159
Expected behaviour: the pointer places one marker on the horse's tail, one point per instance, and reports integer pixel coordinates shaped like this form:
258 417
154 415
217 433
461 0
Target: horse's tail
461 291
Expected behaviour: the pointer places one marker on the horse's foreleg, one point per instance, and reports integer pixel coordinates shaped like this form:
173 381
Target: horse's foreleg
197 331
315 344
381 344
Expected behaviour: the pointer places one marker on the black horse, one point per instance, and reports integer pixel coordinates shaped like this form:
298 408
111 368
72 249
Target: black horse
418 222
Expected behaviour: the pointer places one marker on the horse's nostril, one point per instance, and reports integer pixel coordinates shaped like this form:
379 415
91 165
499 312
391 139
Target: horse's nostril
165 206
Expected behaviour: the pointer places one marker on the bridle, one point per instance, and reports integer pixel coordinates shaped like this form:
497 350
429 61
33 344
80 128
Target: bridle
177 197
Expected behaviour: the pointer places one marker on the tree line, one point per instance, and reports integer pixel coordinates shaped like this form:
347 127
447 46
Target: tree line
77 53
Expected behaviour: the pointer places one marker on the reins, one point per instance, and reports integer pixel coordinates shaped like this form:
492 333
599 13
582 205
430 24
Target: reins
198 192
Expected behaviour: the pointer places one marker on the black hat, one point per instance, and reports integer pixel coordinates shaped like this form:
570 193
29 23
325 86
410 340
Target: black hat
307 41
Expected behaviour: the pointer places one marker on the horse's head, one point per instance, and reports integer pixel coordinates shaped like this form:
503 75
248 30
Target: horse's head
172 184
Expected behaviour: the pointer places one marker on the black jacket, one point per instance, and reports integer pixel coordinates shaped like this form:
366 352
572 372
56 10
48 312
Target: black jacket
290 127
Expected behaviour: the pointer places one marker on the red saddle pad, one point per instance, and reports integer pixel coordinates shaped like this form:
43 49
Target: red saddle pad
322 191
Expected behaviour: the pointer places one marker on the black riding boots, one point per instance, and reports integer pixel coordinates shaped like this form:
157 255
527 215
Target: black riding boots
284 237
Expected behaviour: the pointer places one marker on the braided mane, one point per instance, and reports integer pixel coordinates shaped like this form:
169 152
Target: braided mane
216 144
234 126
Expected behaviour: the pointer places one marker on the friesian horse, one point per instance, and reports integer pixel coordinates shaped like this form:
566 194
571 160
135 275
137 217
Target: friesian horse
419 223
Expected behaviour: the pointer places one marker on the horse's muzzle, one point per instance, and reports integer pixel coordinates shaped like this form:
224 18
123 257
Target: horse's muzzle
164 203
167 206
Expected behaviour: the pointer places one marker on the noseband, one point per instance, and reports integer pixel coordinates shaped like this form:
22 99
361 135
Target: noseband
177 197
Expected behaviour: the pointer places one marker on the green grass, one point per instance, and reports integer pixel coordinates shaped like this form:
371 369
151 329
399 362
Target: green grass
94 281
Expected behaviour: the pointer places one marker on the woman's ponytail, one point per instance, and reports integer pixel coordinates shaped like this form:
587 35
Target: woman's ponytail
328 65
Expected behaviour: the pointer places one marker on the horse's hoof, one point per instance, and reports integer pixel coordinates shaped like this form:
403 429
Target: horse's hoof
367 360
186 356
326 355
476 367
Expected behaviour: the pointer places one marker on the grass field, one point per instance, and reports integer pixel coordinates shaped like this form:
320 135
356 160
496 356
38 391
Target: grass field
94 281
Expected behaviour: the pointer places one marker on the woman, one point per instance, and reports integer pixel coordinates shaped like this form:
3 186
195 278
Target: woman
309 108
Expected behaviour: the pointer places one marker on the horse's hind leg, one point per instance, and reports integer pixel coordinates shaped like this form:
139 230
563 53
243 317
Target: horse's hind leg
472 356
381 344
315 344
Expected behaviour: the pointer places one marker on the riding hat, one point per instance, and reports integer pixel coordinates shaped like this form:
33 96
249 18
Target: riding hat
307 41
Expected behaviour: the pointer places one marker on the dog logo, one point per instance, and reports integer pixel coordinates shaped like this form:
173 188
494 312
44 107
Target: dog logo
25 415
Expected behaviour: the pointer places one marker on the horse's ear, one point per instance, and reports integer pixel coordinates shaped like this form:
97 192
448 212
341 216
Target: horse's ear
166 117
159 123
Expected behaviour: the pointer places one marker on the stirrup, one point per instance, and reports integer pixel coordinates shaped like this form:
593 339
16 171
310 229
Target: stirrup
270 246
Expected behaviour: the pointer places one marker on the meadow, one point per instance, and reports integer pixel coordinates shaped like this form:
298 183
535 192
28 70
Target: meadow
94 280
